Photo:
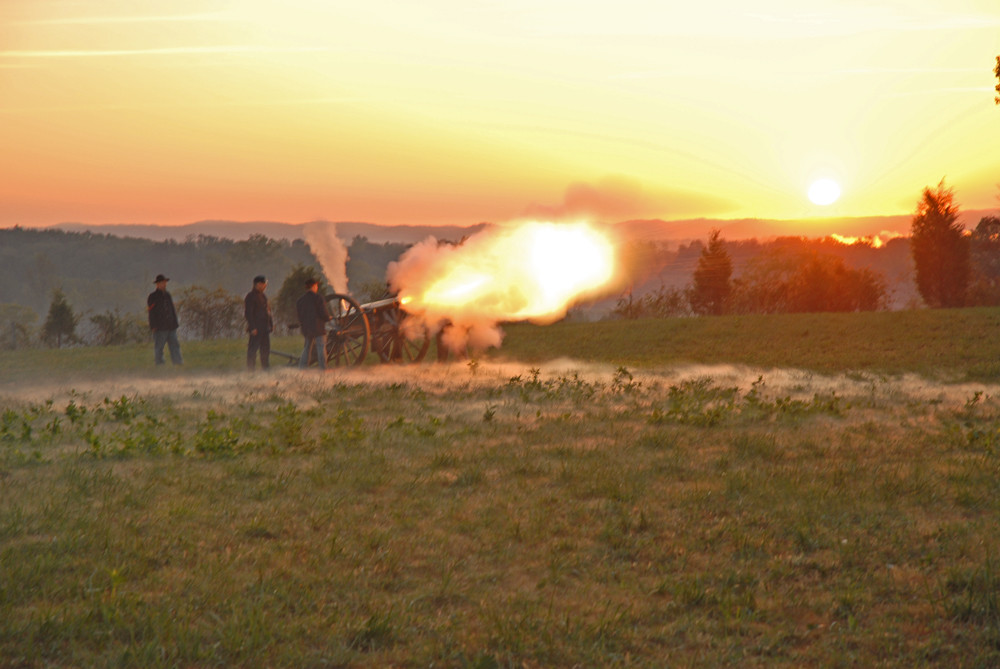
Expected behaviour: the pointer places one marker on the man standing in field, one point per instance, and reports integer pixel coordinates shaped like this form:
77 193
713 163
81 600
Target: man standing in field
163 322
259 324
313 317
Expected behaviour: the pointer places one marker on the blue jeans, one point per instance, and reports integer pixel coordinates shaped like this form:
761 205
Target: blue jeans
168 337
319 343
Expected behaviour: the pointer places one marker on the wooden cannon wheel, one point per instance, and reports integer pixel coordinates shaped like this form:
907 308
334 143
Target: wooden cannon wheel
348 333
395 337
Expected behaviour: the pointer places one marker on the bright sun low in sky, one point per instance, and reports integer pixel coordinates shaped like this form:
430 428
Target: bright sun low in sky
824 192
456 112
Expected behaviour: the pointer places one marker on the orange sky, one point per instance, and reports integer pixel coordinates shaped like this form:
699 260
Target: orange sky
461 111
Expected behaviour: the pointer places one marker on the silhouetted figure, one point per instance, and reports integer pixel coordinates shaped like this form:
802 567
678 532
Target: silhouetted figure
313 317
260 325
163 322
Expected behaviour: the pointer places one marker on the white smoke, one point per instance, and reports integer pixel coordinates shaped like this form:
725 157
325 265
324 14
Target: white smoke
531 271
461 328
329 250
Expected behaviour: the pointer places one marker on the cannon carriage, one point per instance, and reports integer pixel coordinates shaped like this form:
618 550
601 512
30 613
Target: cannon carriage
381 327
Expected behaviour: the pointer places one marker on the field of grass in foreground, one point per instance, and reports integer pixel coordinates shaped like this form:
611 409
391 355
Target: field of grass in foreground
470 515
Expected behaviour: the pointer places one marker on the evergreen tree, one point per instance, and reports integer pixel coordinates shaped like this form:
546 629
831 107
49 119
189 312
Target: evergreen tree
984 283
996 71
292 289
61 321
712 287
940 249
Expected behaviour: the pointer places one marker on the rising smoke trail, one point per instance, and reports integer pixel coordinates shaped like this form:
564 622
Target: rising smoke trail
329 250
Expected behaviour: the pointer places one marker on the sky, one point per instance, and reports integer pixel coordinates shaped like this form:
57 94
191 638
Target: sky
462 111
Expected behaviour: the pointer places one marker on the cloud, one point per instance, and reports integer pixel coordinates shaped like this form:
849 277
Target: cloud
102 20
158 51
617 198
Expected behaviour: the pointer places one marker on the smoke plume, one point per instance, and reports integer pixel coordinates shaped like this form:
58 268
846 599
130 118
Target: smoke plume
532 271
329 250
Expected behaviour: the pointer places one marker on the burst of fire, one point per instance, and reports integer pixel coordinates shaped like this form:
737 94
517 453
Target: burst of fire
535 271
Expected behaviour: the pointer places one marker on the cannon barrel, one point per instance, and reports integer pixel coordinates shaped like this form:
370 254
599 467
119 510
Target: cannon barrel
389 302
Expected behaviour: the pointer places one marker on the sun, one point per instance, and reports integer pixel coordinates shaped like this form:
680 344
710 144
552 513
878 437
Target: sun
824 192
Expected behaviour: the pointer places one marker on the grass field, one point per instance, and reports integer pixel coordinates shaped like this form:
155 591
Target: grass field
783 491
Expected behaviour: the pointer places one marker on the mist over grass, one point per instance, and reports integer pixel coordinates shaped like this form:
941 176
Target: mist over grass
655 494
943 344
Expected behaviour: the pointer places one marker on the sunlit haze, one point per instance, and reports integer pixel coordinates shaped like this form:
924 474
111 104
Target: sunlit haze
448 112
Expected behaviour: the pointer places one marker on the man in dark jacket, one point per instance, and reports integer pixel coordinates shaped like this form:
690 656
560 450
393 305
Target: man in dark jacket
313 317
163 322
259 324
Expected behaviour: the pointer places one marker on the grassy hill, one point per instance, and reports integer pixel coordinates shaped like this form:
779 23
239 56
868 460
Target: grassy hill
953 343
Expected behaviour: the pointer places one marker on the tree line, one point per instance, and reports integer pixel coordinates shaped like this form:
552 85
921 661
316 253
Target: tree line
68 288
951 267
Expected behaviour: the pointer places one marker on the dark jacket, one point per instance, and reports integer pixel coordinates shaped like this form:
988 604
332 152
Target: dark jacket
162 315
257 312
313 314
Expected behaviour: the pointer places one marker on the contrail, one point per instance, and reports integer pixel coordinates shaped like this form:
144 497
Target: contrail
101 20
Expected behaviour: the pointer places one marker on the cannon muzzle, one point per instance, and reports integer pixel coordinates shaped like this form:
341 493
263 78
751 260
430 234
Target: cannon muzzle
387 303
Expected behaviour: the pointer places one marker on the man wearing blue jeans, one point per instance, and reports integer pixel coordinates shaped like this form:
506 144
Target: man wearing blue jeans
163 322
313 317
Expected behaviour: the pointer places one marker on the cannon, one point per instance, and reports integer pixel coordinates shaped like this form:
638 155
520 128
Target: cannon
380 327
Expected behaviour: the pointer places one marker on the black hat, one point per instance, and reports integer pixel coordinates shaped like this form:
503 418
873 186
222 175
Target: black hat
159 278
260 278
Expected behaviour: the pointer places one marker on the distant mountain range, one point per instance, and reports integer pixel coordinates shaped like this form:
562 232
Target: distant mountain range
680 231
240 230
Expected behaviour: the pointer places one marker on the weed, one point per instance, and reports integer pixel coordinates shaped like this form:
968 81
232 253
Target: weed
570 386
696 402
287 430
346 428
215 438
623 382
75 412
143 437
123 409
701 403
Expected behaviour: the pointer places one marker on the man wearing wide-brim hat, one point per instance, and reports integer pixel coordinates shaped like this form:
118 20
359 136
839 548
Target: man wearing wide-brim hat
260 324
163 322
